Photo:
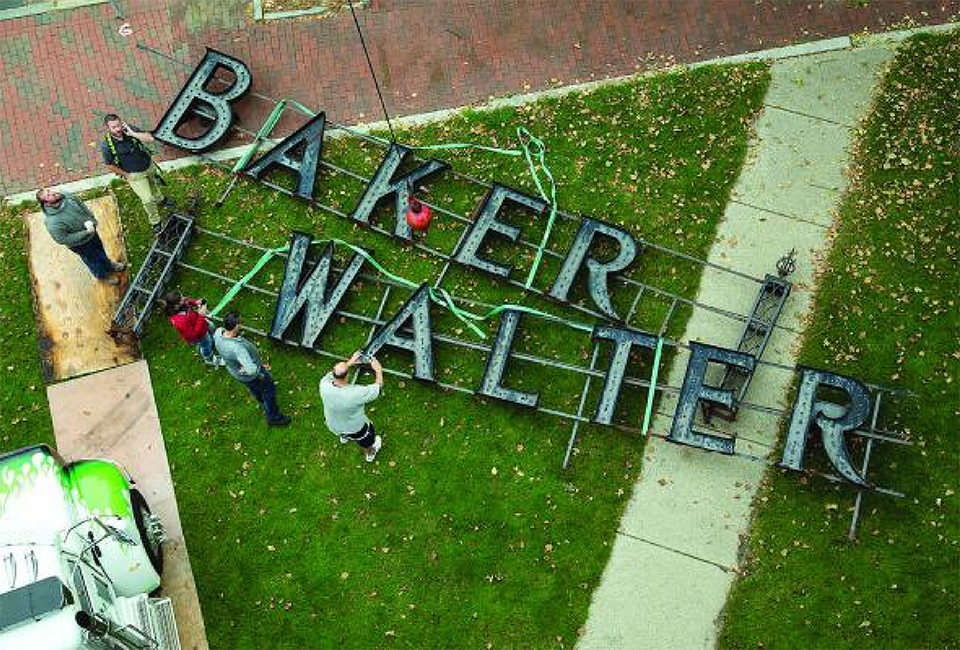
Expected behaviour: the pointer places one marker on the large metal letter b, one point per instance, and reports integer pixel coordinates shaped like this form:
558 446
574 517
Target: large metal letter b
194 99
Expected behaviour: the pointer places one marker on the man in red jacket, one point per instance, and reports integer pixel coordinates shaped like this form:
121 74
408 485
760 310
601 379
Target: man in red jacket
187 316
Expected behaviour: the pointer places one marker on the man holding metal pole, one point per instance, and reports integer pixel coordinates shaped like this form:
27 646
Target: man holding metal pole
343 404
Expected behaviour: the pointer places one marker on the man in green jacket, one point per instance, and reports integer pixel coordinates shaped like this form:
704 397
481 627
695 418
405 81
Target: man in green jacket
72 224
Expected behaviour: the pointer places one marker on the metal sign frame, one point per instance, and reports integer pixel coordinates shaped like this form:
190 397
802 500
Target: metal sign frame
725 399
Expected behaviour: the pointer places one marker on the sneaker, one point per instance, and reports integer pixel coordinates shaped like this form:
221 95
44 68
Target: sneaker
119 267
343 440
377 443
111 281
281 421
215 360
165 203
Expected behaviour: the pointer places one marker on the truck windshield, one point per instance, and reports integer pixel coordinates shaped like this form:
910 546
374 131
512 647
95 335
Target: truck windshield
32 601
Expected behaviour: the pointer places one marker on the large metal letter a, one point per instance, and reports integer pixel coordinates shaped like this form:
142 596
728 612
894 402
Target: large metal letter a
195 98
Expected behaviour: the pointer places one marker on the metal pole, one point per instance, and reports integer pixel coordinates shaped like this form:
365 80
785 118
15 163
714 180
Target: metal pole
855 519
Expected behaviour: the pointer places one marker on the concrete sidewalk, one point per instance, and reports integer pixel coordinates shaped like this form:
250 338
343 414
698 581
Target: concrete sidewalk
678 547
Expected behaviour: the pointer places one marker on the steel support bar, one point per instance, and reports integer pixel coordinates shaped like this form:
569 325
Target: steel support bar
766 310
855 518
583 400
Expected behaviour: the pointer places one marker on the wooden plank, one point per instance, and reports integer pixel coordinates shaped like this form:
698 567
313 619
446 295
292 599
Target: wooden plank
112 414
74 310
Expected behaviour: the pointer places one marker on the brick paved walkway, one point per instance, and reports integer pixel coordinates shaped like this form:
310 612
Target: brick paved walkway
60 72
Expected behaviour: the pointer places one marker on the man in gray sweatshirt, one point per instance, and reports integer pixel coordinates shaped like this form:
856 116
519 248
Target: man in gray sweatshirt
343 405
72 224
243 363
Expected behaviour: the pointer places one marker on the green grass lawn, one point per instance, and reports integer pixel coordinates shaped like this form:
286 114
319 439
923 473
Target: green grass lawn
24 414
465 532
886 311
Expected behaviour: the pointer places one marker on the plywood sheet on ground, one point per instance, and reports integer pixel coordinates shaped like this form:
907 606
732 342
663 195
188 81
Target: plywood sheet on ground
74 310
112 414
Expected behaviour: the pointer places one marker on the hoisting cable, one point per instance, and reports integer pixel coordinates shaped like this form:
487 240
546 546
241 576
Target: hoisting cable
393 138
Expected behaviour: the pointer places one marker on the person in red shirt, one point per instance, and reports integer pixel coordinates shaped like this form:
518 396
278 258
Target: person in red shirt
188 318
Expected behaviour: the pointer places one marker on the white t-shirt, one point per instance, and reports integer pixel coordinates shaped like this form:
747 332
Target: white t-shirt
343 405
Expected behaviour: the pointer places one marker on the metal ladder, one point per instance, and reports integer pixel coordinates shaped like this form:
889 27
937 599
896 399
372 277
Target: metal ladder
148 285
756 333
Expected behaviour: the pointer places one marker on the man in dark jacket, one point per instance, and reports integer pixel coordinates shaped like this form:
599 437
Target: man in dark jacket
126 156
72 224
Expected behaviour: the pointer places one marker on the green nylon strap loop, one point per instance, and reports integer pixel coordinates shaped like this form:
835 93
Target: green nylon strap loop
541 161
653 386
466 145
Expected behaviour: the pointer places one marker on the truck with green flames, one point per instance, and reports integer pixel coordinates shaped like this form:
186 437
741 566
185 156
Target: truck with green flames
80 554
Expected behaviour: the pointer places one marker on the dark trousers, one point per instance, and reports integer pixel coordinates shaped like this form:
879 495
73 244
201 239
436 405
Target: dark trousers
365 437
94 256
265 391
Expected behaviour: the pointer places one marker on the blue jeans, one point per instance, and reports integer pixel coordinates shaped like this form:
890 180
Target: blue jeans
265 391
205 346
93 255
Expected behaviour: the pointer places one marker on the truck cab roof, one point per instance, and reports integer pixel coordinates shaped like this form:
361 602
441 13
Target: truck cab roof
32 481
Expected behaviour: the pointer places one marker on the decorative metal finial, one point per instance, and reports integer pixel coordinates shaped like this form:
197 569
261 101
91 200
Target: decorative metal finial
787 264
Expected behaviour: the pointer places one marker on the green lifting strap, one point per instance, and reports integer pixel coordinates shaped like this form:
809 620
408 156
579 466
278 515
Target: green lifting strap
535 161
653 387
438 295
262 135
